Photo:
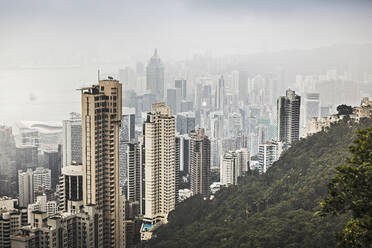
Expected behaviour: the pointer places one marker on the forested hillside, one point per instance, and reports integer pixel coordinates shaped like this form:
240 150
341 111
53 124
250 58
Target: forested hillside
271 210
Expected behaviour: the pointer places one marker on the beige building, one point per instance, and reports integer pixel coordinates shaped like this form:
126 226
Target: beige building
101 120
159 141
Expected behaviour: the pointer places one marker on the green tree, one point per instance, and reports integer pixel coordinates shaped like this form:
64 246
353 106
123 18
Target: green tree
344 109
350 191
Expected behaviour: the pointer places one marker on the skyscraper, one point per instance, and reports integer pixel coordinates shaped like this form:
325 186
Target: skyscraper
155 76
71 185
101 120
174 100
72 140
25 187
134 172
159 135
220 94
312 106
185 122
288 108
200 154
181 84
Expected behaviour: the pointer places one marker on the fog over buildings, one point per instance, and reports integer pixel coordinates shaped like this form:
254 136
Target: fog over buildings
49 48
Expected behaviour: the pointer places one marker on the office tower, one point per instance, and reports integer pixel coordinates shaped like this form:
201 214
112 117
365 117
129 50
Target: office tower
30 137
127 77
235 123
217 124
155 76
174 100
134 172
268 153
127 134
184 154
243 86
71 185
128 125
41 178
185 122
181 84
220 94
325 111
200 155
229 171
27 157
101 120
25 187
311 106
288 108
186 106
53 163
159 135
72 140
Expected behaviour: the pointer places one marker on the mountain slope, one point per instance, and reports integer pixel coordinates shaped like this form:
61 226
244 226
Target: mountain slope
271 210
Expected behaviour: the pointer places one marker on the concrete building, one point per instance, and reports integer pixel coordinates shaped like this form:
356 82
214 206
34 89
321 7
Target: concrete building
25 187
174 100
101 120
200 156
182 85
27 156
268 153
159 145
80 226
134 172
311 106
229 171
43 205
42 178
71 140
155 77
220 94
70 186
52 161
288 114
185 122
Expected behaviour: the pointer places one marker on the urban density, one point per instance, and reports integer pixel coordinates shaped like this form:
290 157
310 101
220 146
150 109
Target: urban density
147 137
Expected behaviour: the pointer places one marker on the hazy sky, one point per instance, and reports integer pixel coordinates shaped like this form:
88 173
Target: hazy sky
89 34
59 32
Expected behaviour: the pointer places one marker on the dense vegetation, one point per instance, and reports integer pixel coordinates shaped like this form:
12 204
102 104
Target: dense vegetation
351 191
271 210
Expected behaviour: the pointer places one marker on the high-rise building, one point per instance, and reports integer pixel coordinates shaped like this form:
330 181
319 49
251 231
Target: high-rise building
229 171
220 94
134 172
181 84
155 76
72 140
27 157
127 134
288 115
101 120
244 160
71 185
185 122
243 86
311 106
268 153
25 187
42 178
174 100
159 143
200 155
53 163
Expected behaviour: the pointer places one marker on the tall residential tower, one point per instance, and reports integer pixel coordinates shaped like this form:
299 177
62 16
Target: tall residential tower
101 120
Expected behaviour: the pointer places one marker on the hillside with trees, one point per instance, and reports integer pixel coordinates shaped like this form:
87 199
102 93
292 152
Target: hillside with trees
278 209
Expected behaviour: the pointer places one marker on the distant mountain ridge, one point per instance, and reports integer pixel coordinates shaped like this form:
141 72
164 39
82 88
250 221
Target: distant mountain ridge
271 210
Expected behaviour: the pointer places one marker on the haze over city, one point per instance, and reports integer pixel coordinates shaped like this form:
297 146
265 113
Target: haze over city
50 48
186 123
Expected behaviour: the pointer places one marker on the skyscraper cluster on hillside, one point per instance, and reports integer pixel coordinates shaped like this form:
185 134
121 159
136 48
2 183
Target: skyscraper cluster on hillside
110 175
